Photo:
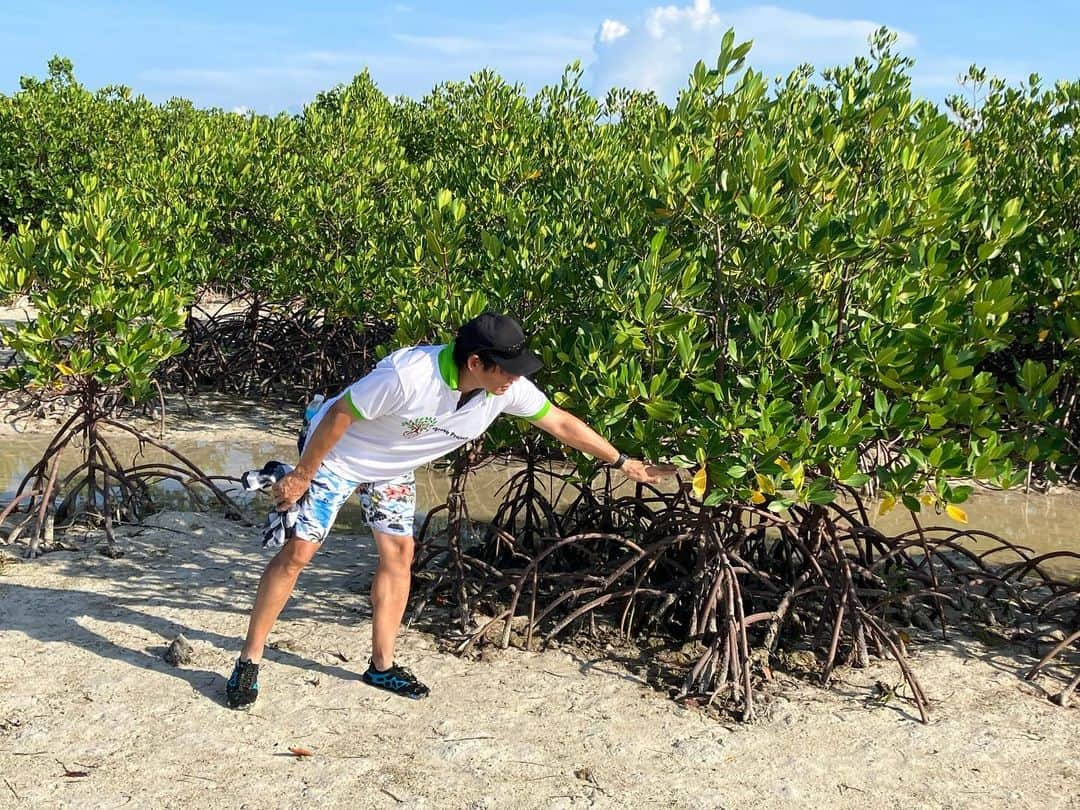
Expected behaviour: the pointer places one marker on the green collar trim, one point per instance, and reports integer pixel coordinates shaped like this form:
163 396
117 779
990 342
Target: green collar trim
447 369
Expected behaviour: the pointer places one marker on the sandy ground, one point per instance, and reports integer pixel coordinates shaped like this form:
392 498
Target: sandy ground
84 690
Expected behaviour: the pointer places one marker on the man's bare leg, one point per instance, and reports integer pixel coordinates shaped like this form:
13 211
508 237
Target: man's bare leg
389 595
275 587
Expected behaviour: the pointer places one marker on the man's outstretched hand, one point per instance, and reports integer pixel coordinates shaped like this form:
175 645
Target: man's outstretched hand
643 473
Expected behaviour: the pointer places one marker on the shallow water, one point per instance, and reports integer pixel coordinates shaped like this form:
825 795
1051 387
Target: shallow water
1040 523
245 435
227 455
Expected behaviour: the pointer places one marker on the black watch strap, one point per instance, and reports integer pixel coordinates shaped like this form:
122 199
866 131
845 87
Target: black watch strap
618 463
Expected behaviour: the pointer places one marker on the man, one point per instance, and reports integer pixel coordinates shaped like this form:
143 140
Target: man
416 405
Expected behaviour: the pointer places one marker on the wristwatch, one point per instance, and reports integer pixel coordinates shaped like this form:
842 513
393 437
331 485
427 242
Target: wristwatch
618 463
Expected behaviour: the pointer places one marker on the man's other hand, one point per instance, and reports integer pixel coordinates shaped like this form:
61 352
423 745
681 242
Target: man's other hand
289 489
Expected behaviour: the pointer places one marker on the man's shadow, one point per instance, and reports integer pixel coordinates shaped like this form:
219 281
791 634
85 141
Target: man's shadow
51 615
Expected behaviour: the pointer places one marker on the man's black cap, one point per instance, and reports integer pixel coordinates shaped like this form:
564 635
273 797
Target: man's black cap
501 337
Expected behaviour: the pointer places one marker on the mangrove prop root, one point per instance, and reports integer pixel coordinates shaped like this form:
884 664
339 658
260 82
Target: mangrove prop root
101 489
740 583
250 347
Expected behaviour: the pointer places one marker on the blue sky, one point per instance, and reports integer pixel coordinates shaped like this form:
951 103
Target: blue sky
271 55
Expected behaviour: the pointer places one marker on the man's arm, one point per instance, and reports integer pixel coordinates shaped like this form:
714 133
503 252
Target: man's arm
570 430
331 428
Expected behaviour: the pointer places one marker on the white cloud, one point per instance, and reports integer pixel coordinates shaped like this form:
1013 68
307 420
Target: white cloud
611 30
664 19
660 53
241 110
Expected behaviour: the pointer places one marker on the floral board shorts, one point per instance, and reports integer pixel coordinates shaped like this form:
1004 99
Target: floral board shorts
388 505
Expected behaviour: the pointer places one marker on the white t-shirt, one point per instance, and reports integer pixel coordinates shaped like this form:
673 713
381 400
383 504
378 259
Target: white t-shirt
407 415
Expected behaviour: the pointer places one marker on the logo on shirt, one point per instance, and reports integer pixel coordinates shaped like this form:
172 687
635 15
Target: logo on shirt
418 427
427 424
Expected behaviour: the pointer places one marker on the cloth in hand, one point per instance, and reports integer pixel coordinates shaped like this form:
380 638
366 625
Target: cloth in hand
279 526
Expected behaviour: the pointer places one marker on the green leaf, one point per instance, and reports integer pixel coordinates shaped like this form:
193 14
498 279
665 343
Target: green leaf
661 410
1032 373
857 480
820 496
715 498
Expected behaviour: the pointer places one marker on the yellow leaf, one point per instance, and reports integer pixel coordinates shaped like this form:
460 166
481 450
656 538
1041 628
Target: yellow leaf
887 503
65 369
765 484
956 513
1042 334
782 463
926 499
797 475
701 478
756 497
